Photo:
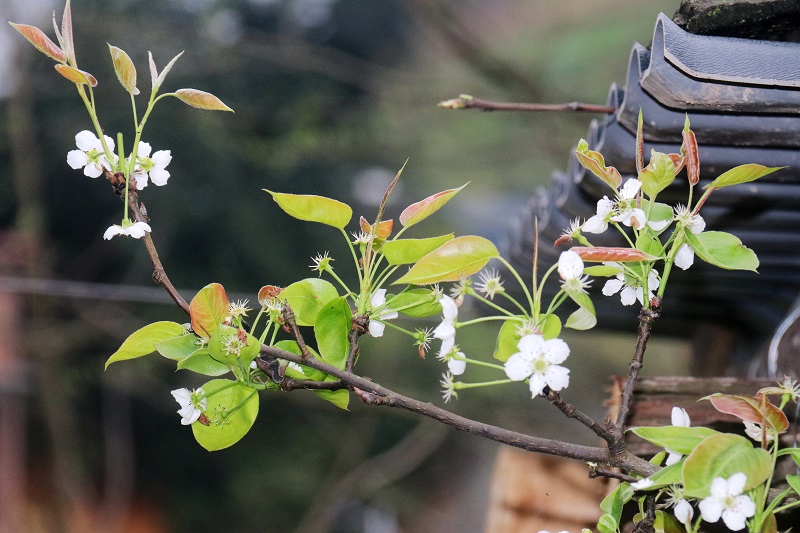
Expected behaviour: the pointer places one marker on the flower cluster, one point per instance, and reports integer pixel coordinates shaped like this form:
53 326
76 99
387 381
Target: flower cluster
193 404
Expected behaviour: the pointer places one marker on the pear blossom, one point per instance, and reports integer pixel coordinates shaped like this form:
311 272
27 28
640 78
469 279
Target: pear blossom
136 230
570 268
684 258
192 403
727 501
680 418
378 300
627 212
90 154
539 360
684 512
756 432
642 484
446 330
152 168
448 387
489 283
599 222
630 293
456 361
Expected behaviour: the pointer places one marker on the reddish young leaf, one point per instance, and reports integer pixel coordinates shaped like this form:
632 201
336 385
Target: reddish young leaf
267 292
421 210
690 153
758 410
383 230
76 76
123 66
595 163
208 309
201 100
679 161
639 143
611 254
41 41
66 34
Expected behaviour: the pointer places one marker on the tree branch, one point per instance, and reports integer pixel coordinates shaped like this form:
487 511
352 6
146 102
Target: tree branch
646 319
159 274
466 101
570 411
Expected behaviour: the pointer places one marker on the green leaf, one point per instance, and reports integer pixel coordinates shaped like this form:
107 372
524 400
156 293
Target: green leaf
649 243
658 174
722 456
178 348
155 78
201 362
460 257
123 67
407 251
421 210
581 320
678 439
340 398
201 100
601 271
307 297
417 303
594 163
723 250
741 174
208 309
607 524
231 409
752 409
229 345
666 523
669 475
660 213
550 325
331 329
144 340
507 340
613 504
314 208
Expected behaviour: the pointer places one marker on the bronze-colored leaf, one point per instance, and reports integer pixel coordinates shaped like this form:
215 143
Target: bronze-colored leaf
41 41
201 100
76 76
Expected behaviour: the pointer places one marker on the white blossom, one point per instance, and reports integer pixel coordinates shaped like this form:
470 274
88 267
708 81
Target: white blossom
379 313
539 360
644 483
727 501
756 432
599 222
90 155
448 387
684 512
627 212
680 418
630 293
192 403
489 283
152 168
136 230
570 268
446 330
684 258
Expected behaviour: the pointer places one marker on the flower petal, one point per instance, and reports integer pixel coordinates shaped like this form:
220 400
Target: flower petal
86 140
162 158
159 176
685 257
595 224
537 384
684 512
736 483
531 344
518 367
378 298
93 170
710 509
734 521
680 418
628 296
449 308
376 328
182 396
613 286
557 377
138 229
457 366
630 189
113 231
77 159
555 351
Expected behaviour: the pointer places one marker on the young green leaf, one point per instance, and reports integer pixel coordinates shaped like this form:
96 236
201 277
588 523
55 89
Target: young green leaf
331 329
594 163
507 340
231 410
607 524
794 481
76 76
143 341
178 348
550 326
460 257
41 41
123 66
741 174
200 100
340 398
407 251
658 174
581 320
421 210
639 142
613 504
603 271
723 250
208 309
678 439
417 303
157 79
201 362
723 455
314 208
307 298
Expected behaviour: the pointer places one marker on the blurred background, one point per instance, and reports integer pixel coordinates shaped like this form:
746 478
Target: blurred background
331 97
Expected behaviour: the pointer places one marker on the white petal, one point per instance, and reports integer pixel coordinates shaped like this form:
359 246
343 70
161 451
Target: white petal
685 257
162 158
658 225
113 231
710 510
531 344
159 176
376 328
734 521
189 415
680 417
77 159
109 143
555 351
93 170
449 308
635 218
697 224
652 280
643 483
628 296
557 377
736 484
570 265
537 384
446 347
138 229
744 506
630 189
378 298
673 457
518 367
719 488
143 150
444 331
457 366
684 512
141 179
595 224
85 140
604 207
613 286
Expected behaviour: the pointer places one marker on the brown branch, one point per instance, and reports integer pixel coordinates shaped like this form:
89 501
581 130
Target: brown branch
596 471
360 327
159 274
290 323
646 319
602 431
374 394
466 101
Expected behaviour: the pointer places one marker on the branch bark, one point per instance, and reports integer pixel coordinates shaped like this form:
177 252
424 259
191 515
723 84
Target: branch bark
468 102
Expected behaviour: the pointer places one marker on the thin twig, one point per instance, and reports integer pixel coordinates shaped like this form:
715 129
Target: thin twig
646 524
596 471
466 101
159 274
571 412
291 323
646 319
360 327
